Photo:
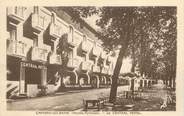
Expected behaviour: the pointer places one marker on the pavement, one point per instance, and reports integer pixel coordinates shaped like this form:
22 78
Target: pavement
151 100
64 101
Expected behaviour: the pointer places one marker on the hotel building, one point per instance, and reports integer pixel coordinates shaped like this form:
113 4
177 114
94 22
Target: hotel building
33 34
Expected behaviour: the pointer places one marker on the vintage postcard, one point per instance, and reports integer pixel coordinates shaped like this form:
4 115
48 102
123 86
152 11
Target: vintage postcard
92 58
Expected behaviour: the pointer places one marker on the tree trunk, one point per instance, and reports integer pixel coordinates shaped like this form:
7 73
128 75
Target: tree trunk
125 36
117 69
133 58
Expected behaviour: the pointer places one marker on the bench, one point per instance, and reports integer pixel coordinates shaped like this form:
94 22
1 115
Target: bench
132 94
94 102
97 103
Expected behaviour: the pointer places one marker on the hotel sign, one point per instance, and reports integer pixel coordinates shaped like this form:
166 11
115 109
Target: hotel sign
31 65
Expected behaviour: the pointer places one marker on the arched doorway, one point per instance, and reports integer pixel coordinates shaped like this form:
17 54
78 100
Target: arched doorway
108 80
132 84
145 83
84 79
70 78
94 81
103 80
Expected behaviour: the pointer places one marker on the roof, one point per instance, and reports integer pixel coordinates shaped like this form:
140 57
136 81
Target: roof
68 11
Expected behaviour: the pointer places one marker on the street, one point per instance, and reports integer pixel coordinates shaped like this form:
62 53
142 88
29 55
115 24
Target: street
64 102
151 100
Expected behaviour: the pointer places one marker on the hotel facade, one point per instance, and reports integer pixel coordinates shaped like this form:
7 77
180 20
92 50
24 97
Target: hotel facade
33 34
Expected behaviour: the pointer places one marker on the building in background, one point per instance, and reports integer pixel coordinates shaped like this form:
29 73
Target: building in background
32 60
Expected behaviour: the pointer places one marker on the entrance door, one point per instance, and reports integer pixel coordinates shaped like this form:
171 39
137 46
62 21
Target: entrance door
94 81
141 83
132 84
32 76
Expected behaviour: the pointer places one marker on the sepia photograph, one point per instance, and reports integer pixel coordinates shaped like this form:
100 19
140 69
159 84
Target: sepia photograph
91 58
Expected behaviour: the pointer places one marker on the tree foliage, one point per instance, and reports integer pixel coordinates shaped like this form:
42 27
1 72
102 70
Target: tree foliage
146 34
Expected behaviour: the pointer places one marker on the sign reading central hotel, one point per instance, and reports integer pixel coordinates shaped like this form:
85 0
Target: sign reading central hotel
31 65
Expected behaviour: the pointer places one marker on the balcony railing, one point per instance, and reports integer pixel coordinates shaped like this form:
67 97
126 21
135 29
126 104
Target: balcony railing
95 52
39 54
85 65
37 22
109 60
70 40
84 47
16 48
105 70
55 30
103 55
73 63
55 59
96 69
16 13
110 72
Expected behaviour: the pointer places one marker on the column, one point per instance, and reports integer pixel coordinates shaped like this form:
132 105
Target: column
22 81
172 81
44 76
88 77
143 83
40 39
55 45
97 82
76 77
105 80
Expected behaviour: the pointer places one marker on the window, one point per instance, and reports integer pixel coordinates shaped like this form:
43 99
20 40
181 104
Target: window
57 29
13 34
71 34
36 10
20 11
70 54
35 42
94 61
85 58
84 40
53 18
41 21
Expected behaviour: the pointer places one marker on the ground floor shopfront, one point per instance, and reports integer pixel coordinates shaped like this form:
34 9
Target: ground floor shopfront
25 77
29 77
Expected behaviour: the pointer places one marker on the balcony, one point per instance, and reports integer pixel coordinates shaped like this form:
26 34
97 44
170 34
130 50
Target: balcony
105 70
95 69
83 48
85 66
16 48
95 52
39 54
70 40
16 13
73 63
103 55
55 59
37 22
55 31
109 60
110 72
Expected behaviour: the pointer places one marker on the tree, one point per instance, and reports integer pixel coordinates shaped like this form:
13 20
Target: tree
62 50
133 26
137 30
